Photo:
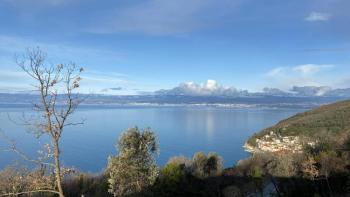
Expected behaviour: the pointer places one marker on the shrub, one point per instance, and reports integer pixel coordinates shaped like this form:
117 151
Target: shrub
205 166
172 174
282 166
15 179
86 184
134 168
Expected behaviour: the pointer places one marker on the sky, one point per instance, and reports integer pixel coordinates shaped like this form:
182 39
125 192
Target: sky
135 47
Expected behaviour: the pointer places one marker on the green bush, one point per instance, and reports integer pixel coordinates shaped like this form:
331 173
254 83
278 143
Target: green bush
134 168
205 166
172 174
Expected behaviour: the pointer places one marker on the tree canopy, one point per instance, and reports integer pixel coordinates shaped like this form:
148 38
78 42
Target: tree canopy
134 168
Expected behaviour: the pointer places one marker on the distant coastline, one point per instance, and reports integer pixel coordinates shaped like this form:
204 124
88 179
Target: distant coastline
270 102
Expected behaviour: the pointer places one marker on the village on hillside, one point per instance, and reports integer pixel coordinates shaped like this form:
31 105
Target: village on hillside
275 143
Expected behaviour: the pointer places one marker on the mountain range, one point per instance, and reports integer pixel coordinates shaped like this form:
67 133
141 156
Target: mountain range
208 93
212 88
304 98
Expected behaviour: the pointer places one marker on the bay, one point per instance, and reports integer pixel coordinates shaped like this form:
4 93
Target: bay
180 130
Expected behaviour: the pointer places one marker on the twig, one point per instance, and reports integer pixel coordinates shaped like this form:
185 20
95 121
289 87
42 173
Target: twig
13 149
30 192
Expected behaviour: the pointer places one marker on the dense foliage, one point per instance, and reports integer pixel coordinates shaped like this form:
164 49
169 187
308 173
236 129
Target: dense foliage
134 168
322 172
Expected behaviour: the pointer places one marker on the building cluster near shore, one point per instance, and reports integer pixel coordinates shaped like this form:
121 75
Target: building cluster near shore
274 143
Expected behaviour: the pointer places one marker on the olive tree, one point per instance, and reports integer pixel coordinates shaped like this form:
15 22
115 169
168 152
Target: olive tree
134 168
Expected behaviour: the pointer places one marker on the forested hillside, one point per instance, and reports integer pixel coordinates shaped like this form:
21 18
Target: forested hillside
328 121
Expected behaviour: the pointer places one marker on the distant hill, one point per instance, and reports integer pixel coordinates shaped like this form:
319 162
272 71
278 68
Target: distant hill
306 102
332 119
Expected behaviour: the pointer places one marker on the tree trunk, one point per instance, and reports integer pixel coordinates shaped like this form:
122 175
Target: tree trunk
276 186
58 168
329 187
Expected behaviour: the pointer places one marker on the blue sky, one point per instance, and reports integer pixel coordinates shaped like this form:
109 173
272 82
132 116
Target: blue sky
132 46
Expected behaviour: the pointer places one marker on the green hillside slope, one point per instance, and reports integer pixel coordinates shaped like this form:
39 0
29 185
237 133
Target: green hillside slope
328 121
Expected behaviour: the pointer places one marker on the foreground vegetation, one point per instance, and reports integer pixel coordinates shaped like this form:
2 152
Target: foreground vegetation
321 170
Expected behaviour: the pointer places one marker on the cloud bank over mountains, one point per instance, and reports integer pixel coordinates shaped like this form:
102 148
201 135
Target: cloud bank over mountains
209 88
213 88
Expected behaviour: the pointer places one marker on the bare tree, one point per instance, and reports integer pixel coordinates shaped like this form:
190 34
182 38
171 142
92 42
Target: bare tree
56 85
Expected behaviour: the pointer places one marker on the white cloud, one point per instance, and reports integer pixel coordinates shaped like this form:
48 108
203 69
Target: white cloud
311 68
300 75
305 69
343 82
276 71
205 88
318 17
209 88
311 90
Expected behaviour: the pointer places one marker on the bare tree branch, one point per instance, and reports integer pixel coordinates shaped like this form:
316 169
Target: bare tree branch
24 156
13 148
30 192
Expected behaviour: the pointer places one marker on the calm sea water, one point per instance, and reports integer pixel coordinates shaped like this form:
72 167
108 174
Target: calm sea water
180 130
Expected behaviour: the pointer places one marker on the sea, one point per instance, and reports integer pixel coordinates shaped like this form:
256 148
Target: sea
180 130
